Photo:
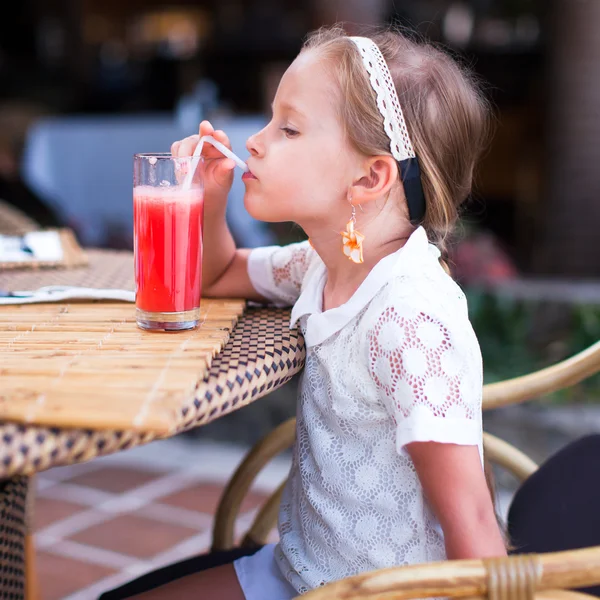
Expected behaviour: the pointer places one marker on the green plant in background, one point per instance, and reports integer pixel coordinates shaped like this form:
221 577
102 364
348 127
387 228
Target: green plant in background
501 325
520 336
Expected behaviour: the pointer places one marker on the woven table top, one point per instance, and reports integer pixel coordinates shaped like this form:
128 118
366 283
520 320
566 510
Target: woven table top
105 269
260 355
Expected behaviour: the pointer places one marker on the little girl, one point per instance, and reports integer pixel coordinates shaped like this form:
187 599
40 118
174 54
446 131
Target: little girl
371 151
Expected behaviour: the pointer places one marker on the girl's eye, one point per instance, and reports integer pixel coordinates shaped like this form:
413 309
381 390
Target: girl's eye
289 132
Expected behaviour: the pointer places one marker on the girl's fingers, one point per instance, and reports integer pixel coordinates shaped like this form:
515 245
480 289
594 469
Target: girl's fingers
188 145
206 128
225 165
221 136
223 172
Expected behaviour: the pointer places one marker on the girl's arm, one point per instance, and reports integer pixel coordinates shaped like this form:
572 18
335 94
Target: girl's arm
456 489
234 281
224 267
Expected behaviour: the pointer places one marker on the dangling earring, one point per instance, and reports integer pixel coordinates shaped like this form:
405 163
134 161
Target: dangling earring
352 240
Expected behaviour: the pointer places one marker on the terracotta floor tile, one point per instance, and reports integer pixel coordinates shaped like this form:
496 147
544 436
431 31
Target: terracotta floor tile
115 479
204 497
133 535
47 511
60 576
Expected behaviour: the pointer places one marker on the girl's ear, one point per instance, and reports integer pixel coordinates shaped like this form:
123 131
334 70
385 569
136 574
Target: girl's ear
380 173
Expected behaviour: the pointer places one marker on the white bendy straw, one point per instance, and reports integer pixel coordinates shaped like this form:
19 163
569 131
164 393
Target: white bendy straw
187 183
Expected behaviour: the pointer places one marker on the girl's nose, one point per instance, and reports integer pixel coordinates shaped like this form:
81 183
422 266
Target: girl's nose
254 144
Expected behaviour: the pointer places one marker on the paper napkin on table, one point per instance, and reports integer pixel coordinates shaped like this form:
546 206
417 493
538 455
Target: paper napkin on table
36 245
58 293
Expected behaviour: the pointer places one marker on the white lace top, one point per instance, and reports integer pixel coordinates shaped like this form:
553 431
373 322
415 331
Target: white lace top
399 362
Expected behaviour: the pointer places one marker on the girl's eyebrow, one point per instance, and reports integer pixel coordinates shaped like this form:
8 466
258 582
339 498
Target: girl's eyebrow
287 107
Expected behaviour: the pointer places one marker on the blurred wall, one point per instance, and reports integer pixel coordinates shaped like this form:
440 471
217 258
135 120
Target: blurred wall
569 215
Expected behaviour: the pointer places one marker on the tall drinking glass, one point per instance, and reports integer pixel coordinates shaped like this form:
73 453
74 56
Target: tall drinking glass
167 232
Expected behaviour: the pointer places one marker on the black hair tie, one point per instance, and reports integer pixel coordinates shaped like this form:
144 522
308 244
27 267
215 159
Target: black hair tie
410 173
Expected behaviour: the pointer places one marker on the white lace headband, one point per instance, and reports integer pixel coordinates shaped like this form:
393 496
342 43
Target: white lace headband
394 124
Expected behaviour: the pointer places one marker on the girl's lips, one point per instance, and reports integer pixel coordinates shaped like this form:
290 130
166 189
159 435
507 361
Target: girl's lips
248 175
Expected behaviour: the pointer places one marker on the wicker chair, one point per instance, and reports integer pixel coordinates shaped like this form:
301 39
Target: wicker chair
451 578
516 577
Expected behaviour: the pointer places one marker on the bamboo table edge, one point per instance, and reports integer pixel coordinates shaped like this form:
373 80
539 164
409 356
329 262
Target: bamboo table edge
91 443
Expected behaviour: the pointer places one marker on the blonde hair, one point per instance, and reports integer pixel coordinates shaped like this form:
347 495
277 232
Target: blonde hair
446 115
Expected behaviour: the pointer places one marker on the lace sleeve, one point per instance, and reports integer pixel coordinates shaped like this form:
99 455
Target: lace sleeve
277 272
429 377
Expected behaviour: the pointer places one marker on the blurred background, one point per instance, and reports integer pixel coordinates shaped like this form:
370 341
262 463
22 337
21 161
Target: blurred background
82 78
86 83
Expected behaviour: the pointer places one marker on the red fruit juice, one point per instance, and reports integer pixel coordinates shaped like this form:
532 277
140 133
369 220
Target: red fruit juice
168 248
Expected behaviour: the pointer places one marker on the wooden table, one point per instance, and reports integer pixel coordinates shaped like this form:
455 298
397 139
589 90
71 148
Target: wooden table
261 355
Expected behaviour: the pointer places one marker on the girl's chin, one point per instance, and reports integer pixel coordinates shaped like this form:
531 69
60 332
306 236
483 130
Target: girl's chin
262 210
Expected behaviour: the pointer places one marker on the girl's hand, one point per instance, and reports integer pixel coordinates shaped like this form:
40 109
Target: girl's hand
218 170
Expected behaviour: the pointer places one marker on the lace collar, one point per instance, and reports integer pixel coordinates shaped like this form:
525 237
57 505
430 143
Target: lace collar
320 324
